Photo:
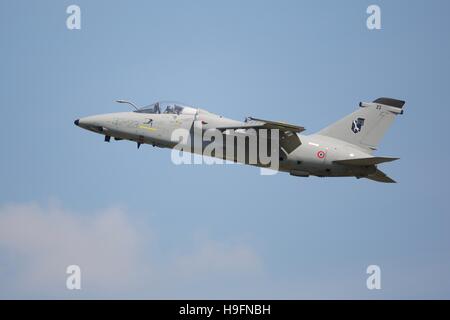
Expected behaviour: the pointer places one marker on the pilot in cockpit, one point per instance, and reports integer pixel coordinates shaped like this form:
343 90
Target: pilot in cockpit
169 109
156 108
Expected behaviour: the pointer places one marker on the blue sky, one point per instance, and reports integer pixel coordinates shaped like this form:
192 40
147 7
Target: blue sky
141 227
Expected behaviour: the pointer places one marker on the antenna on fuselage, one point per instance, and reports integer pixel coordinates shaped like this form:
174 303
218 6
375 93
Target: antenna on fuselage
128 102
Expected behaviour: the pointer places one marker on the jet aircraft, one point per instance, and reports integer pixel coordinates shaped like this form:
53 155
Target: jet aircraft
343 149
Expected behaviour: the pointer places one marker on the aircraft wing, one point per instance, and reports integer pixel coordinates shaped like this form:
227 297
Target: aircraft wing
289 139
265 124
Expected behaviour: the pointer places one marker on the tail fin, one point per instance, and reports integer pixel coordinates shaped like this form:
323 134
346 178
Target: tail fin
366 126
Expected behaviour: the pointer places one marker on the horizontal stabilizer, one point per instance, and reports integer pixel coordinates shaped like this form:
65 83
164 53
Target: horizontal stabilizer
365 161
380 176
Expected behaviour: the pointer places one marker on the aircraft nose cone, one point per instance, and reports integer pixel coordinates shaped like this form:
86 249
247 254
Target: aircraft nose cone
76 122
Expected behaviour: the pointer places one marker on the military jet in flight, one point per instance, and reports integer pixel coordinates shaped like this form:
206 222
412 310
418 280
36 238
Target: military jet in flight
342 149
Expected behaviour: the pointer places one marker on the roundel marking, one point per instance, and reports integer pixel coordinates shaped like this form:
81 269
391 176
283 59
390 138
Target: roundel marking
321 154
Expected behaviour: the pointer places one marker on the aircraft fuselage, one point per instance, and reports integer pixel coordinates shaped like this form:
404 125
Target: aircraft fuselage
314 156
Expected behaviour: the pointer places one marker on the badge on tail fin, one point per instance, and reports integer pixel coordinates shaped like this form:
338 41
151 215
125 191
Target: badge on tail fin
357 125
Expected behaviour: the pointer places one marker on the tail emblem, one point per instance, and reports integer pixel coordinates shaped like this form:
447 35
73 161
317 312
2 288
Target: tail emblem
357 125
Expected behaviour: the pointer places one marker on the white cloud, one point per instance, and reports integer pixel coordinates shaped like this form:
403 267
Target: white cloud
219 258
37 244
122 258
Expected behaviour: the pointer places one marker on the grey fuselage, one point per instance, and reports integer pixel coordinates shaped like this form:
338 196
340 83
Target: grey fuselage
314 156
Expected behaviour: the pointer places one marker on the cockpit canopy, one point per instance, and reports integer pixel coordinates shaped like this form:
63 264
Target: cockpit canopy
167 107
